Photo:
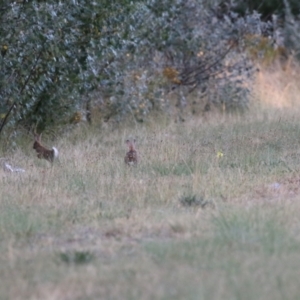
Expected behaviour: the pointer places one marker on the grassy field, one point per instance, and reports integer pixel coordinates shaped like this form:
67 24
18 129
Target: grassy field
211 211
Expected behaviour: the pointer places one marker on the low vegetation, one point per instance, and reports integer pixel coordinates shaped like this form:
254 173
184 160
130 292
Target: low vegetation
210 212
209 91
59 61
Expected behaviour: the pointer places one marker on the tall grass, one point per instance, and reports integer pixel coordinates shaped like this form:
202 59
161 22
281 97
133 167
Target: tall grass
90 227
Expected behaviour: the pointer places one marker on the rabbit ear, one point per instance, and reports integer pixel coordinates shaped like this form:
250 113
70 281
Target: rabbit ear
132 144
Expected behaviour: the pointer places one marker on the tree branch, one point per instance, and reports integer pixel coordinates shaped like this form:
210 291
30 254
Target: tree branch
22 89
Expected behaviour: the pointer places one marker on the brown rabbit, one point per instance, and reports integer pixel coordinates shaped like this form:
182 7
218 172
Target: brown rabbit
131 157
43 152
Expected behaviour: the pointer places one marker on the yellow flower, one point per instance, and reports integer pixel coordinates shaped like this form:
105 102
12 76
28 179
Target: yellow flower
220 154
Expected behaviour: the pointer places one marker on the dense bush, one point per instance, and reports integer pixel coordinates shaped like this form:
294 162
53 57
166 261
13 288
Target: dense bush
49 50
292 31
266 8
59 59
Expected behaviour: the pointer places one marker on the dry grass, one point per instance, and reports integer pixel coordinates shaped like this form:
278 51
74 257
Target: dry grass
92 228
279 86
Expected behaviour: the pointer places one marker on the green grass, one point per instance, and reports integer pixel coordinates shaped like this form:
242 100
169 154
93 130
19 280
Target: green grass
183 224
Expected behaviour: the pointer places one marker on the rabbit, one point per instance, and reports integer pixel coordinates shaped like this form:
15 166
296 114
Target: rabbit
131 157
43 152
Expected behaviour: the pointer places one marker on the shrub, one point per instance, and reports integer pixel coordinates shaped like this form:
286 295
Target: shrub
53 54
266 8
59 59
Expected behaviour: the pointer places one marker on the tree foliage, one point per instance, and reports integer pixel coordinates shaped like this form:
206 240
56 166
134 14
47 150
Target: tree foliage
266 8
58 57
48 58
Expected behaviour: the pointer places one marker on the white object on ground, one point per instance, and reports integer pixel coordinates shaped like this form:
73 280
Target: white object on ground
9 168
275 186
